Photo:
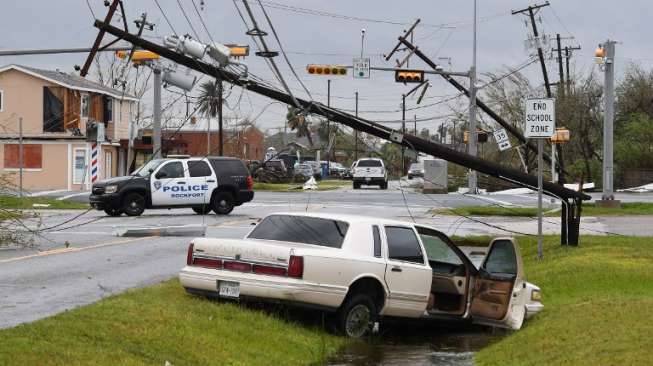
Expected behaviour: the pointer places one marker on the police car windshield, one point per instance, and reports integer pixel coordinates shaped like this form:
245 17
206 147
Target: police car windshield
144 171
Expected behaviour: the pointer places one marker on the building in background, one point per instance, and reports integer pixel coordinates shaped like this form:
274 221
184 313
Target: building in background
55 108
243 140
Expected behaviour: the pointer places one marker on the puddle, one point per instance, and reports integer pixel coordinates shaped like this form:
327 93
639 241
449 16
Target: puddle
419 347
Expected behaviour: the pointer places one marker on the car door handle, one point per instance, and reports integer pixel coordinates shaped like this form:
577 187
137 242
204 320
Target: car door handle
181 182
396 269
210 181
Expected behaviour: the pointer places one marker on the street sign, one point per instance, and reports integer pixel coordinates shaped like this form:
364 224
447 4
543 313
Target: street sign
502 139
540 118
361 68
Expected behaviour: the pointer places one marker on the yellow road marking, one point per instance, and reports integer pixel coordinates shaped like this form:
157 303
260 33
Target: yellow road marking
73 249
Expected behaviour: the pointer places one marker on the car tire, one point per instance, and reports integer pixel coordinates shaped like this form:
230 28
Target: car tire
113 212
384 185
133 204
357 185
222 203
202 210
357 316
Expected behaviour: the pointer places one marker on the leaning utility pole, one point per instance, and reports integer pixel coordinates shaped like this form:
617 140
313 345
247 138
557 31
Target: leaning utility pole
572 198
528 145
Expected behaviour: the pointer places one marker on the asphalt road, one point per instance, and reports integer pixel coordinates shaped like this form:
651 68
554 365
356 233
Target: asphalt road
81 260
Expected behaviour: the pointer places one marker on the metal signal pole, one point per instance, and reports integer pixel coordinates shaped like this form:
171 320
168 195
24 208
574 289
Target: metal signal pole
473 137
403 130
356 132
156 118
608 118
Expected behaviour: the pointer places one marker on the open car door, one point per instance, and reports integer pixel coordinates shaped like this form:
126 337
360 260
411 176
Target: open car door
499 294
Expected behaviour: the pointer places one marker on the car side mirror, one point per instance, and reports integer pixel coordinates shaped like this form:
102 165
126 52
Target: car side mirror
160 175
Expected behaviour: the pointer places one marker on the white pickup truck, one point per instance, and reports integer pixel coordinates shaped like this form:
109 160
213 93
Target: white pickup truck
369 172
363 268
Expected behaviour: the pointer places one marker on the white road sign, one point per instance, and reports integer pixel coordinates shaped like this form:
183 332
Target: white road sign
502 139
540 118
361 68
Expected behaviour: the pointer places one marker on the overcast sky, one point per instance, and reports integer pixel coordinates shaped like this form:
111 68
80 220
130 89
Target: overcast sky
446 31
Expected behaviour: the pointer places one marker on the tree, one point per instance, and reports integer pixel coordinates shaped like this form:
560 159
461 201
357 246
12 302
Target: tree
634 95
298 122
209 103
633 148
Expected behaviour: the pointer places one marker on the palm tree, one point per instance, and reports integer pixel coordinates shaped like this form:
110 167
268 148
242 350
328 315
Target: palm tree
298 122
210 104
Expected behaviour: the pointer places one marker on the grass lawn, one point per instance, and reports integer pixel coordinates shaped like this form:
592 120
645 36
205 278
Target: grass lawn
162 323
323 185
598 302
14 202
589 209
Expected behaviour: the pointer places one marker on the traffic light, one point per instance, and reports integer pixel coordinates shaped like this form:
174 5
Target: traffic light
481 136
409 76
326 69
238 50
139 56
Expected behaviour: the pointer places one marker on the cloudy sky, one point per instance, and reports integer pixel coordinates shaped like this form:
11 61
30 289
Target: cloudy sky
328 32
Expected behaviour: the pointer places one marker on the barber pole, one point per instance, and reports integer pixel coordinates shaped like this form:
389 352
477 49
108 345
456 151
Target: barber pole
94 167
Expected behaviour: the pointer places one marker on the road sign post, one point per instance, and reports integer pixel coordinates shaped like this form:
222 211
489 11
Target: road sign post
361 68
501 137
539 124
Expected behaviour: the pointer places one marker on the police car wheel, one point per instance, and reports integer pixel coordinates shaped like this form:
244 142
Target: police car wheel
223 203
202 210
134 204
113 212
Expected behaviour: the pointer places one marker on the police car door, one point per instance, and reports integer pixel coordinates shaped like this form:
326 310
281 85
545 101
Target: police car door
201 182
168 184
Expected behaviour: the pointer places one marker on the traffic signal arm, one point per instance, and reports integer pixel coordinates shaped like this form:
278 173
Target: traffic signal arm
326 69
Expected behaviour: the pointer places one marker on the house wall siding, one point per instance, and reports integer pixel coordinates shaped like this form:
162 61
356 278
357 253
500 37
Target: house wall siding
54 167
23 97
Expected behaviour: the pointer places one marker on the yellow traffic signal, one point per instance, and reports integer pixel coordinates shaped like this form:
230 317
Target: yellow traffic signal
326 69
409 76
138 56
238 50
481 136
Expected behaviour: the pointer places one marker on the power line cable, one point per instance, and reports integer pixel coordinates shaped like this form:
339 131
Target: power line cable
188 20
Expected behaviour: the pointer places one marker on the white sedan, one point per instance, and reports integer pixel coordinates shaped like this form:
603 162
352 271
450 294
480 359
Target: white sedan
363 269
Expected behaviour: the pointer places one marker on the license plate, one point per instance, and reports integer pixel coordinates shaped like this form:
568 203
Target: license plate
367 179
229 289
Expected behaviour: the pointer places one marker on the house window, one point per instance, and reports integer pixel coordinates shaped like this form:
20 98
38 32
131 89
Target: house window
108 109
86 102
2 100
32 156
79 166
53 116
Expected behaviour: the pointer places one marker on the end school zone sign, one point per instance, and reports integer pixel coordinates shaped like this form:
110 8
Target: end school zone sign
540 118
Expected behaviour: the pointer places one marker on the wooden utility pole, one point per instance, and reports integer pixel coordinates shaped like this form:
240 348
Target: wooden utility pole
531 14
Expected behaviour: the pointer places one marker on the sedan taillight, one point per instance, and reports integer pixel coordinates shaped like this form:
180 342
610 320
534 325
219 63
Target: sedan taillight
250 182
207 262
296 266
189 255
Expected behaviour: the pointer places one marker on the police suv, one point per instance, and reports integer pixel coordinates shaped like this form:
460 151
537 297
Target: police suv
203 184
